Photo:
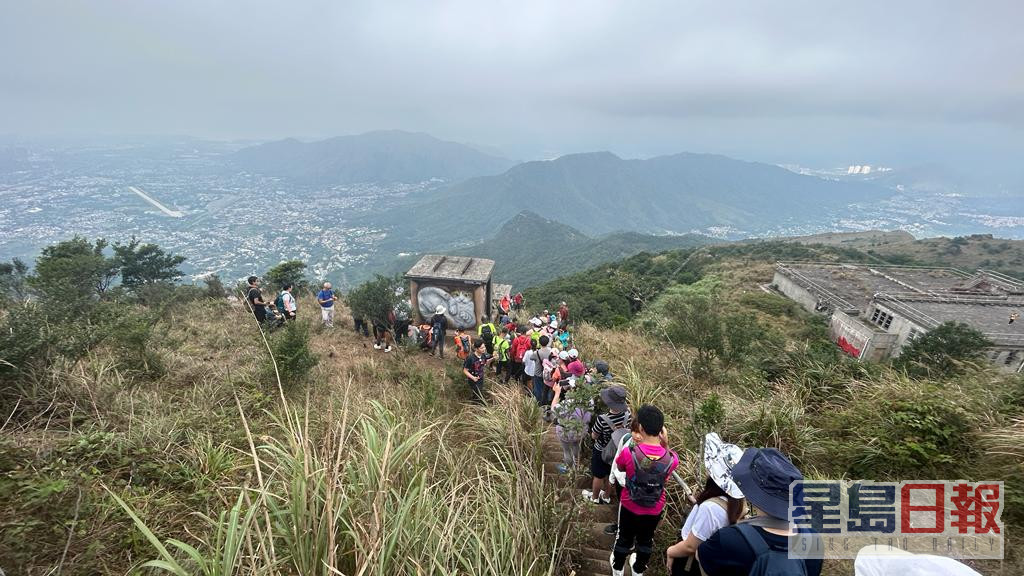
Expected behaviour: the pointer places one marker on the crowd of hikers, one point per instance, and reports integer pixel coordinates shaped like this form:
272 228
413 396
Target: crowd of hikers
738 523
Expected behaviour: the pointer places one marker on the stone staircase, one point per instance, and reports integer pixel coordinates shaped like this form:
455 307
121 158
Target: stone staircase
592 558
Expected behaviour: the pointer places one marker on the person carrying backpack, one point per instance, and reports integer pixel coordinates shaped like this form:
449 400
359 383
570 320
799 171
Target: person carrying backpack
760 546
461 344
438 328
605 425
487 331
501 347
647 464
285 302
719 504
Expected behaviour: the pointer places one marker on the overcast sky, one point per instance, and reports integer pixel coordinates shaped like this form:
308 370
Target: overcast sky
813 82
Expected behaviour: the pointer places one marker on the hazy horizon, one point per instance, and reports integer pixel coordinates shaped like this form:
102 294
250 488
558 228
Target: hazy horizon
804 82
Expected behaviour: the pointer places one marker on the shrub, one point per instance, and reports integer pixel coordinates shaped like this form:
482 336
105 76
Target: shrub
288 272
292 353
942 352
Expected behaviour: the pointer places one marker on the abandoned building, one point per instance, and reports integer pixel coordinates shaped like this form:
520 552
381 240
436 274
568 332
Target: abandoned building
459 283
875 310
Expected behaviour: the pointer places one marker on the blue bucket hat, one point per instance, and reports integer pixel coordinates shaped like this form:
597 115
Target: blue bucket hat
764 476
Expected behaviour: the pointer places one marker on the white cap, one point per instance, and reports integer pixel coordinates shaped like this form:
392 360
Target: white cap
574 353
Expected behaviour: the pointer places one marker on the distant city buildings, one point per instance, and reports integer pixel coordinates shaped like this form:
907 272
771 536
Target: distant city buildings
874 311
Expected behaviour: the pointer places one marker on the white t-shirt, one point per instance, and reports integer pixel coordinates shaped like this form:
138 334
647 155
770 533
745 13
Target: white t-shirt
530 362
704 520
289 301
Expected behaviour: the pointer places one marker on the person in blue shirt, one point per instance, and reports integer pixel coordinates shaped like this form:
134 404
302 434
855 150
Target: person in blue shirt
327 298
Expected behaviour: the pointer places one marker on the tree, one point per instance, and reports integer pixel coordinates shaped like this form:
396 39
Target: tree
375 299
74 271
13 278
943 350
141 264
290 271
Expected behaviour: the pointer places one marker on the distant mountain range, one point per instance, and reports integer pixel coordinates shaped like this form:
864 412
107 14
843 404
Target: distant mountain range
601 193
385 156
529 249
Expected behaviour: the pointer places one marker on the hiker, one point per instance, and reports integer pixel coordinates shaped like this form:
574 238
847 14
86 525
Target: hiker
886 560
360 324
542 375
572 417
563 335
327 298
720 504
764 475
399 322
603 371
425 337
501 347
648 464
535 329
462 344
285 302
486 331
575 367
520 345
532 366
381 336
563 314
504 305
438 329
255 299
474 368
517 301
616 418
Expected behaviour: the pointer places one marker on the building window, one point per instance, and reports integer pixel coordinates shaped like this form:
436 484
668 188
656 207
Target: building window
913 335
874 317
1010 358
888 321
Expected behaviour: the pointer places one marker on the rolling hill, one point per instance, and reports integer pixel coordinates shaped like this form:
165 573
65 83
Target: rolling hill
382 157
603 193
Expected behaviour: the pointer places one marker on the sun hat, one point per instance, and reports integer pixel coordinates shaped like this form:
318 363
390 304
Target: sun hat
440 309
535 321
563 355
614 397
764 476
719 460
885 560
574 353
553 324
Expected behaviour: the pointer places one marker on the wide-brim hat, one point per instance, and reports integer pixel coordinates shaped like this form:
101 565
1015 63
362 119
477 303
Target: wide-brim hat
764 476
536 321
719 460
440 309
614 397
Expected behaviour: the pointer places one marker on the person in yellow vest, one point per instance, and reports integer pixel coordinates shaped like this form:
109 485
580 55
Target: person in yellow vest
487 331
501 353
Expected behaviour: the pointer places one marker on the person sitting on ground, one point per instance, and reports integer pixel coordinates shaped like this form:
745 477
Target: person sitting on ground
764 475
486 331
381 336
462 344
572 412
720 504
614 397
575 367
438 329
425 337
326 298
501 347
474 368
648 464
255 299
287 306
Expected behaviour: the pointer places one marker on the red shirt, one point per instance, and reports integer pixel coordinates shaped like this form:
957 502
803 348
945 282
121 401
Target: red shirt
563 313
519 347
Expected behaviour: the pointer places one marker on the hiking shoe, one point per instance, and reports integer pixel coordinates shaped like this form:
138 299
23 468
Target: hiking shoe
388 349
611 529
611 562
589 497
604 498
376 346
632 562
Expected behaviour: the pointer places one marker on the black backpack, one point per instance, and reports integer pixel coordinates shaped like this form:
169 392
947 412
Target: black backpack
767 560
486 333
648 481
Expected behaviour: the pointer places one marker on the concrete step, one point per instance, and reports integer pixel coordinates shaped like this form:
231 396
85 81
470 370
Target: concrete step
598 537
606 513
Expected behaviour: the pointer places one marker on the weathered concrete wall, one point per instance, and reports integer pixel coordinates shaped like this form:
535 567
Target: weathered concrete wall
795 292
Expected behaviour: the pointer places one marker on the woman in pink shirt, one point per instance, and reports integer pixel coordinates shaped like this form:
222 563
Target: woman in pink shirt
648 463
